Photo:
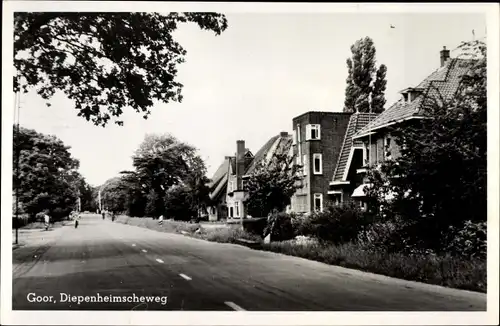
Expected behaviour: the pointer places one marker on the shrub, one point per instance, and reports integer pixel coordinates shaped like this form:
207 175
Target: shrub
377 236
280 226
177 204
336 224
469 241
255 226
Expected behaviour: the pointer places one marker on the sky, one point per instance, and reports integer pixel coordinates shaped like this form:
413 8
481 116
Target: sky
253 79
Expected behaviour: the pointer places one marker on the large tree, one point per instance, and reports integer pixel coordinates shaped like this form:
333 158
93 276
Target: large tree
160 162
104 61
197 182
439 181
46 177
366 85
272 184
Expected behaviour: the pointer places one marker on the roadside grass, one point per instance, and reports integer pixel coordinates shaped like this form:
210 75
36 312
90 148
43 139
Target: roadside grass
167 225
445 271
41 225
228 234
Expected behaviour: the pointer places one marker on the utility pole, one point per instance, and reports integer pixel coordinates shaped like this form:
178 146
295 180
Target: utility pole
17 110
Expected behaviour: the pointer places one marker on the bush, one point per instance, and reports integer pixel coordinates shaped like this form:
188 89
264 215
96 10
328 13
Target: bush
336 224
469 241
255 226
280 226
377 236
177 204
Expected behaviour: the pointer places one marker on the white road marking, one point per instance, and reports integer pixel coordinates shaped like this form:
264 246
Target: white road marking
234 306
143 250
160 261
133 244
184 276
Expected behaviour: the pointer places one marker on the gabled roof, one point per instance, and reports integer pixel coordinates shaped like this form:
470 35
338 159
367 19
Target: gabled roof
356 123
279 144
442 83
219 178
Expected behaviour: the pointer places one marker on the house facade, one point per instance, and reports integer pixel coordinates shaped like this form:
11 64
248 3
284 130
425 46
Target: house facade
317 143
378 145
227 186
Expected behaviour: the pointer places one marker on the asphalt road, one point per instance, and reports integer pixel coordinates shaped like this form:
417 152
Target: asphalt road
107 258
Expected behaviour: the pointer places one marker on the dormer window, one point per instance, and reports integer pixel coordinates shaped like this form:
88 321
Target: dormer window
410 94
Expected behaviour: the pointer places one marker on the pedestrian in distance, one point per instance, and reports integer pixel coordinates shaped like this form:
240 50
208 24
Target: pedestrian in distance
46 218
160 220
77 219
103 215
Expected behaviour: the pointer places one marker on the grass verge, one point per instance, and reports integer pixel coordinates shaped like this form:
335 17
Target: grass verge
446 271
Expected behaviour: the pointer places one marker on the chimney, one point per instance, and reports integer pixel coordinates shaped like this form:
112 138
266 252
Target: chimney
445 56
283 134
240 162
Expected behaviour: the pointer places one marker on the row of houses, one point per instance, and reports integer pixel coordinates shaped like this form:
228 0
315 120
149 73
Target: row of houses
335 149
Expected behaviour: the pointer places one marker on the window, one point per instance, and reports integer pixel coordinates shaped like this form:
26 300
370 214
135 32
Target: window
305 168
318 163
318 202
231 186
237 207
313 132
231 211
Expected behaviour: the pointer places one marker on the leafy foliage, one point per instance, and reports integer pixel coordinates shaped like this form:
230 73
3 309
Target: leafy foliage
177 205
280 226
439 181
47 178
104 61
468 241
169 178
336 224
272 184
365 84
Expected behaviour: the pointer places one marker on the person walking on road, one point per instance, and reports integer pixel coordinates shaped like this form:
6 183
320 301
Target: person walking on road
77 219
46 218
160 220
103 215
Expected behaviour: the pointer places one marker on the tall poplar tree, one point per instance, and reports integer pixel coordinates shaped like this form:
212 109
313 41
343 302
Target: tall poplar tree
365 84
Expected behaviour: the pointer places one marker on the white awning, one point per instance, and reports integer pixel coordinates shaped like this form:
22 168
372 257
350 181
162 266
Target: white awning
360 190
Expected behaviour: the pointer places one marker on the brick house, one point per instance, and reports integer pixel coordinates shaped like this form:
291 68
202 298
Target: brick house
226 188
317 143
378 144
